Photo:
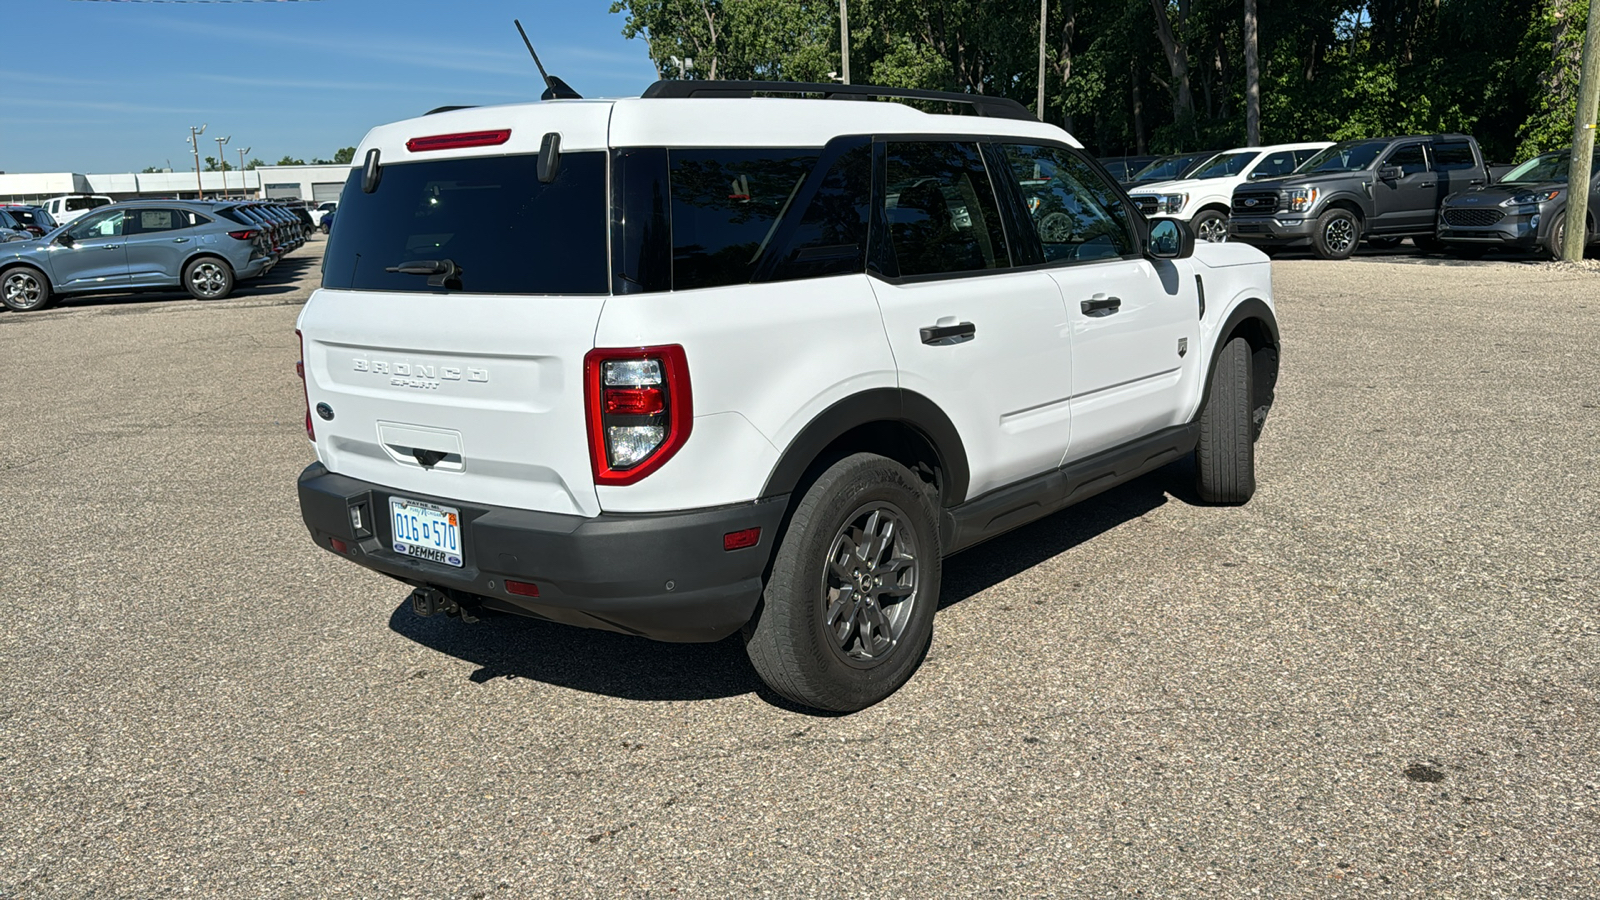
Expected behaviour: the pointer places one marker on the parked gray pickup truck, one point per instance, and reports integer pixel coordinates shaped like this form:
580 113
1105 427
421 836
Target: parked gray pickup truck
1378 190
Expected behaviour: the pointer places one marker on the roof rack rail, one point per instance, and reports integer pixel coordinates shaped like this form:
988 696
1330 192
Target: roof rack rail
992 107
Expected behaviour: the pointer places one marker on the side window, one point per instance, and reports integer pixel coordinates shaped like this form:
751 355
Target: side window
1300 156
145 221
831 237
1073 218
641 237
726 206
941 209
1280 163
1453 155
96 225
1409 158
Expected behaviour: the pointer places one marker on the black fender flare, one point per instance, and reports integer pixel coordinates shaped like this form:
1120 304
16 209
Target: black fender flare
877 405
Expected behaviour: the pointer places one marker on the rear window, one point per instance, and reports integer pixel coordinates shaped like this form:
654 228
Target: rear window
504 230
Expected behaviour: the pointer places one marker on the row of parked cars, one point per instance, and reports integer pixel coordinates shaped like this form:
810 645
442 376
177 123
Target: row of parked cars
1437 190
203 246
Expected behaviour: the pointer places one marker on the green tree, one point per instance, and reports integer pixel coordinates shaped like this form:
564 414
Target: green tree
255 164
344 155
213 166
290 161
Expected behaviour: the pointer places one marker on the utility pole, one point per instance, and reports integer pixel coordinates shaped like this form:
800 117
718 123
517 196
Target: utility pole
222 162
1583 123
1044 11
194 141
244 185
844 40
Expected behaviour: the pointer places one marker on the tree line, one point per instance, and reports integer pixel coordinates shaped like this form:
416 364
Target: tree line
343 156
1160 76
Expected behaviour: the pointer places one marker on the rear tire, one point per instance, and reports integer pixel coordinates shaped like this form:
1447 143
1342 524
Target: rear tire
1338 231
1225 460
208 278
847 614
25 289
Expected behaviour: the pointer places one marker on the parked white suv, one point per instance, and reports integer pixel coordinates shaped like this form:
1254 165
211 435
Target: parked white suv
70 206
1205 198
683 366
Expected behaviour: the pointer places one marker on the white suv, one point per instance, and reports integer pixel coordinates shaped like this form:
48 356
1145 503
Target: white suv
1205 198
701 362
68 207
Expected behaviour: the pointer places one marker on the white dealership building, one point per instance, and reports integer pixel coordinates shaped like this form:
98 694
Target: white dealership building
313 184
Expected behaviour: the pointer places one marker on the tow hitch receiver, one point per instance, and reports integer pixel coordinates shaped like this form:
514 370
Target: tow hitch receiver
428 601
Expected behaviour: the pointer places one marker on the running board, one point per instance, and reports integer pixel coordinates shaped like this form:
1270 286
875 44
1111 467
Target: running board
1013 506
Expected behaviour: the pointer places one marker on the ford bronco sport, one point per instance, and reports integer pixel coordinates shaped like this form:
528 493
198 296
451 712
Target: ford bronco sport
704 362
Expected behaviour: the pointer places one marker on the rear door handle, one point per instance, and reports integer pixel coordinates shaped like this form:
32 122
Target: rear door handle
113 247
949 334
1101 305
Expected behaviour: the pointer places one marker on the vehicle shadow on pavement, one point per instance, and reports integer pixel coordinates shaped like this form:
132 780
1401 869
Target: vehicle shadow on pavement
281 280
634 668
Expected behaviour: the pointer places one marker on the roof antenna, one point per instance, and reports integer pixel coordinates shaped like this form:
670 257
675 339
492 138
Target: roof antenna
555 88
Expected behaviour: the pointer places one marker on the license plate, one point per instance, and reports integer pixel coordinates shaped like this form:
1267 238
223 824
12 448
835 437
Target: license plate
425 531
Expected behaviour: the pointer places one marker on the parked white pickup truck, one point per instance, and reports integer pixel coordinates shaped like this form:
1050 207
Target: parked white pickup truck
1205 198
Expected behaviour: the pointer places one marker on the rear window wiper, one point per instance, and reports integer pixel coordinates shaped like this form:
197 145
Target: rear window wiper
440 272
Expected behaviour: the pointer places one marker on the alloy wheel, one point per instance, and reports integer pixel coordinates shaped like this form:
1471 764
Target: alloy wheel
1213 231
22 291
208 279
870 585
1339 235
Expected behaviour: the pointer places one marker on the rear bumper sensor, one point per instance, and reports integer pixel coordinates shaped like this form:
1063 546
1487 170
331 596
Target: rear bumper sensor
667 576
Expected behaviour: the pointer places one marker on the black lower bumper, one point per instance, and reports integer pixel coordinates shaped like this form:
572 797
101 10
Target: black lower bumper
1271 231
664 576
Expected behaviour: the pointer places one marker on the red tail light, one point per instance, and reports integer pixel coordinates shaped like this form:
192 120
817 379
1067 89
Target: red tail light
639 408
305 391
461 139
246 235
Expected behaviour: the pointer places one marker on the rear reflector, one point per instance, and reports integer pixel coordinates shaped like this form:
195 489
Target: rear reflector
339 546
738 540
455 141
522 588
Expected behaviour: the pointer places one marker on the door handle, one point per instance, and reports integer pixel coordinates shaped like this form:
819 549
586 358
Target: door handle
1425 184
949 334
1101 305
113 247
180 240
1476 181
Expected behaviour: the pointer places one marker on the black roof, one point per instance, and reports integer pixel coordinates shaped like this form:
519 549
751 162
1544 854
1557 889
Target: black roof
983 105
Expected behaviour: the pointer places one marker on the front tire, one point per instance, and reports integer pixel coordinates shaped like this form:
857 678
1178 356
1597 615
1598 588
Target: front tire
847 614
1338 231
1225 460
208 278
25 289
1556 237
1211 226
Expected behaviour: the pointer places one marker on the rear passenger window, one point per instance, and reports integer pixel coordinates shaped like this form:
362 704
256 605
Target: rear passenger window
1069 205
1456 155
831 238
941 209
726 206
148 220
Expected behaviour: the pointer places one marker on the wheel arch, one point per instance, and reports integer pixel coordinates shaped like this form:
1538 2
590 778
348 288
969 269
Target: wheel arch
902 425
1349 203
18 262
206 254
1216 206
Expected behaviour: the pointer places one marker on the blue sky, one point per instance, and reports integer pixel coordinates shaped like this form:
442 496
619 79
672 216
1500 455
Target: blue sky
117 84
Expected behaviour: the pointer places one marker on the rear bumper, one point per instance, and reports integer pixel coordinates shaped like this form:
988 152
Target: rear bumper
664 576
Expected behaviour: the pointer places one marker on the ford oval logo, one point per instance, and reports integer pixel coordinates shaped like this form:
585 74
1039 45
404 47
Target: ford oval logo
325 411
1250 202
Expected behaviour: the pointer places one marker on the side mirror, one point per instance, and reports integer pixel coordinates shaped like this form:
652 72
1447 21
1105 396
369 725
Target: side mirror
65 239
1170 239
1390 173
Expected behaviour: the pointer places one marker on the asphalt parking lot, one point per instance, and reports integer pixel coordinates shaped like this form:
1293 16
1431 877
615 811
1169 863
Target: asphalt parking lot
1379 678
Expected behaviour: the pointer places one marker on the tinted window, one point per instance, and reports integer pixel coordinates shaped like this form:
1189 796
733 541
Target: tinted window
76 203
7 222
641 234
1352 157
726 205
1456 155
1280 163
941 210
1075 214
1409 158
1300 156
505 231
831 237
96 225
144 221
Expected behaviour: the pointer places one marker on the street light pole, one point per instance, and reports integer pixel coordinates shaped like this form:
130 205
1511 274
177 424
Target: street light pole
194 141
222 162
244 185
